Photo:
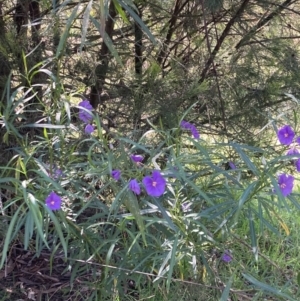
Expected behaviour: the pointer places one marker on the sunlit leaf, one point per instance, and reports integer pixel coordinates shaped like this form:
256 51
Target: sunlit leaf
62 42
85 23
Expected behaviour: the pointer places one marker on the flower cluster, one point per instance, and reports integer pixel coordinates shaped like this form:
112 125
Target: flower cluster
286 136
188 126
85 115
154 185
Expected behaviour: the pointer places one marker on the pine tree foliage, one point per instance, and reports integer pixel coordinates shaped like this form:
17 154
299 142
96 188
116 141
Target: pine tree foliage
233 61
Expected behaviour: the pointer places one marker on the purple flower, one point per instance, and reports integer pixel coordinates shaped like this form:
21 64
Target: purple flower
137 158
116 174
286 184
134 186
188 126
297 164
89 129
231 165
155 185
195 133
286 135
185 125
298 140
292 151
57 173
83 114
226 257
53 201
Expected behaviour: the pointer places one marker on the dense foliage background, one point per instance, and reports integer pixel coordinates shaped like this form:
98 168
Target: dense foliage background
230 68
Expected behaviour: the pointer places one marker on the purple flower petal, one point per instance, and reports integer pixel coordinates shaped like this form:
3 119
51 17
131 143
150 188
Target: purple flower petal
137 158
292 151
53 201
297 164
155 185
134 186
188 126
89 129
286 184
231 165
185 125
298 140
226 257
57 173
83 114
286 135
116 174
196 134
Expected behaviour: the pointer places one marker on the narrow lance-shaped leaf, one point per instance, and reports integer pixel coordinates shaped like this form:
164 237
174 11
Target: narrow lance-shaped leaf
102 19
63 39
9 235
267 288
121 11
107 41
226 291
253 235
139 21
85 23
172 261
132 205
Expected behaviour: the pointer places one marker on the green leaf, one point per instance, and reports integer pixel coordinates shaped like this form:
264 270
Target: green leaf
245 195
253 235
226 291
298 279
245 158
58 229
107 41
9 236
139 21
85 23
29 227
267 288
67 108
132 205
121 11
36 215
45 125
107 259
163 269
62 42
172 261
165 214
